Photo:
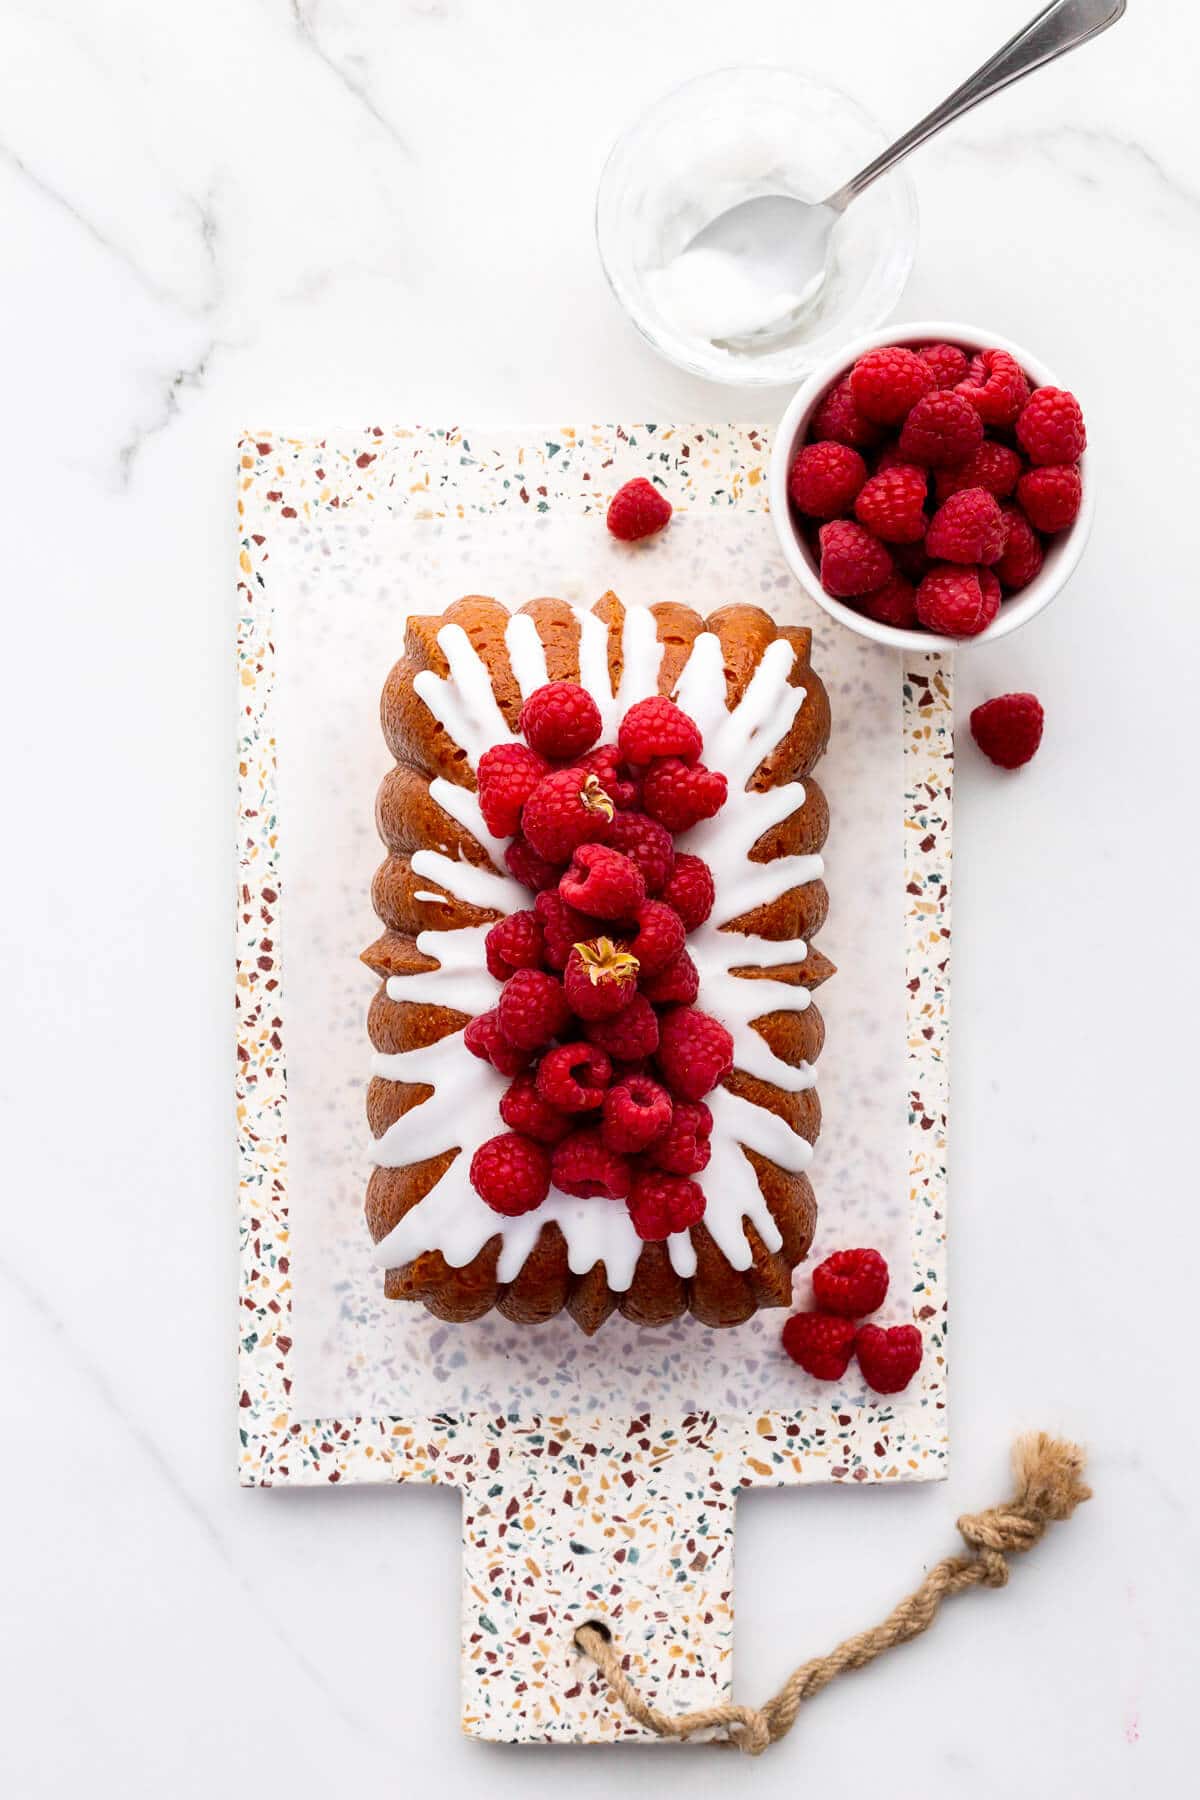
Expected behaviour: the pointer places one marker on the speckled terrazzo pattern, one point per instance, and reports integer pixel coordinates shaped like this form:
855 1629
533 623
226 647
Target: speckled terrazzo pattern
633 1520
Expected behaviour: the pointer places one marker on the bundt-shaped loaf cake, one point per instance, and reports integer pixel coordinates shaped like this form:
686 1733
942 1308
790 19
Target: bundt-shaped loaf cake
594 1036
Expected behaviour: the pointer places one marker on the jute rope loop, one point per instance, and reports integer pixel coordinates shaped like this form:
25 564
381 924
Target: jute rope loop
1049 1486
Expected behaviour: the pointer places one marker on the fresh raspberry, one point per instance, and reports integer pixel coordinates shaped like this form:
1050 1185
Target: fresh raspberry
948 362
822 1344
952 600
533 1008
1050 496
1050 429
679 796
852 561
888 1359
649 845
892 504
602 883
685 1148
637 510
825 478
662 1204
838 418
586 1166
514 943
600 978
566 809
637 1112
1023 555
523 1109
484 1039
605 764
989 586
996 387
657 937
676 985
630 1036
561 927
1008 729
895 603
573 1077
511 1174
967 528
851 1283
887 383
526 866
941 429
657 727
560 721
890 458
690 891
507 775
993 466
695 1052
912 560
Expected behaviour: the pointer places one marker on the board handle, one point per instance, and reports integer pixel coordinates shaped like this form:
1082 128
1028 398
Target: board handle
592 1524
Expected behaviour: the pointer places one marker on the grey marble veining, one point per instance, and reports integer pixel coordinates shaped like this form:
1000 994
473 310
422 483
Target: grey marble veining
298 213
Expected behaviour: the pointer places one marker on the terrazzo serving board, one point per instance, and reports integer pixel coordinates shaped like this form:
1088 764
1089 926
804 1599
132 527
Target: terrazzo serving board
598 1476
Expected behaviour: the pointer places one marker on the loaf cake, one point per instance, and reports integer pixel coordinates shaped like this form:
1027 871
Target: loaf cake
594 1034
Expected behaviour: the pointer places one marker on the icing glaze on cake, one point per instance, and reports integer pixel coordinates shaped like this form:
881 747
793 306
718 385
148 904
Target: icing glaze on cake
460 1113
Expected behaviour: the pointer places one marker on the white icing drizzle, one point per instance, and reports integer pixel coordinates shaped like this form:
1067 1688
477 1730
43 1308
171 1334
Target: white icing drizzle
462 980
463 805
429 898
526 653
463 701
467 882
463 1110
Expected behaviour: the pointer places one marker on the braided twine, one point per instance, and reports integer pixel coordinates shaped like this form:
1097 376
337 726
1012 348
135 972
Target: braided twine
1049 1486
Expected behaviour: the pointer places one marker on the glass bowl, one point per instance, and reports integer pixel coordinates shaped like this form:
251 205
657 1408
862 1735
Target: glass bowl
732 135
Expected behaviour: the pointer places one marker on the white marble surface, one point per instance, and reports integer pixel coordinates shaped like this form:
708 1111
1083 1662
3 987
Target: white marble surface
340 210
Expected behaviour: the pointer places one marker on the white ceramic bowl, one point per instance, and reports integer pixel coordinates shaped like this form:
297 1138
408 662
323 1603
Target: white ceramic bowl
1062 551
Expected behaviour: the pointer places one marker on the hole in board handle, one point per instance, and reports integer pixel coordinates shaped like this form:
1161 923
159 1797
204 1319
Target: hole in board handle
598 1626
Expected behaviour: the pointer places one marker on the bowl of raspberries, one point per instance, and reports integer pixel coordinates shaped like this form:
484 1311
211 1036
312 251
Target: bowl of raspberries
930 487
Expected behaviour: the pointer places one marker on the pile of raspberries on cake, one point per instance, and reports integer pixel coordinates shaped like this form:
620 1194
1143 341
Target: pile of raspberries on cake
931 480
610 1059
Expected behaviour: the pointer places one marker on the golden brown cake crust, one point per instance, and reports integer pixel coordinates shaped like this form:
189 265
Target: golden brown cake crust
409 820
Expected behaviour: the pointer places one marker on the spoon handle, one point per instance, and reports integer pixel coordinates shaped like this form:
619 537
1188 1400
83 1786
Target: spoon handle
1059 27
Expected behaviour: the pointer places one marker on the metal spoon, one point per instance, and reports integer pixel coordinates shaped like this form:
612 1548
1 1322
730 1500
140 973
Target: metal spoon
781 244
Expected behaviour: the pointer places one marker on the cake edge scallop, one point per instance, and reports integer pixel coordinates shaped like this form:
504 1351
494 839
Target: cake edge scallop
409 819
